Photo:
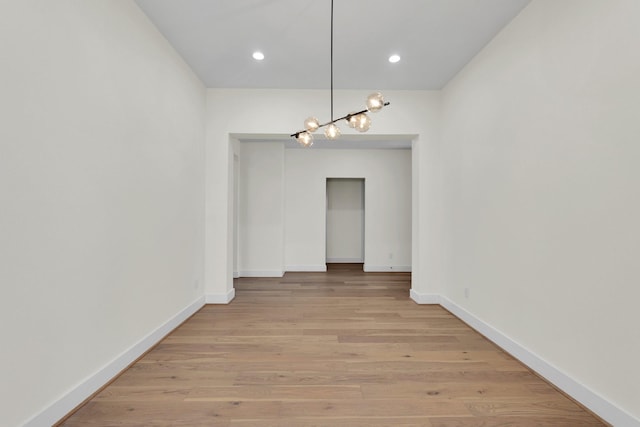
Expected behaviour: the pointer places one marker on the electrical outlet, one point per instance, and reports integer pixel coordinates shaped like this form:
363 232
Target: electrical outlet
466 292
196 284
390 255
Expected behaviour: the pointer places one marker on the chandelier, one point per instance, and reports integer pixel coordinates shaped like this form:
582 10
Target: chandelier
358 120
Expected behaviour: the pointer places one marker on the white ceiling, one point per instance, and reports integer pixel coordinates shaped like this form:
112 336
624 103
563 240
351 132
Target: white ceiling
435 39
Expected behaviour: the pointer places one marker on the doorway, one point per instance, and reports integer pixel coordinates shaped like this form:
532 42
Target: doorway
345 221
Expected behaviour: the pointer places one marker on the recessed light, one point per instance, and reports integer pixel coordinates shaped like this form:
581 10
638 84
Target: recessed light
394 58
258 56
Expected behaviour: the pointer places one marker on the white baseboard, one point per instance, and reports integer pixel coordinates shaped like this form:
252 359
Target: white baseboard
236 274
65 404
344 260
220 298
311 268
386 268
596 403
421 298
261 273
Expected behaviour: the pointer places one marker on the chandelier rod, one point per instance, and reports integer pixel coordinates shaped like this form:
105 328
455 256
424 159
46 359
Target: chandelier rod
331 61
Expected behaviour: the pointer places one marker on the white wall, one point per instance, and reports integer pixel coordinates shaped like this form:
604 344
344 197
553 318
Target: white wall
261 200
387 175
345 220
234 112
541 147
102 194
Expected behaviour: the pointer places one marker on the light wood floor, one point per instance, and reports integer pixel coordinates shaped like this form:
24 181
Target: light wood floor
342 348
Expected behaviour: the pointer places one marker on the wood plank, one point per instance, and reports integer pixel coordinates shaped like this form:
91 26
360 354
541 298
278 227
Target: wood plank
538 420
279 393
372 408
329 421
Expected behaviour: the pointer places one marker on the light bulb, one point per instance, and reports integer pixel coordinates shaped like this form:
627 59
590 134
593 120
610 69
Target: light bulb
305 139
332 131
363 122
375 102
311 124
352 120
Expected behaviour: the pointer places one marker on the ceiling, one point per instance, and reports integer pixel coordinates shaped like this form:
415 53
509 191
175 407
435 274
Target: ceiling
435 39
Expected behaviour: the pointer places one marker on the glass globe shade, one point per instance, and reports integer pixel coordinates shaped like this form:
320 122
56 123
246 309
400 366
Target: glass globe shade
352 120
375 102
363 122
305 139
311 124
332 131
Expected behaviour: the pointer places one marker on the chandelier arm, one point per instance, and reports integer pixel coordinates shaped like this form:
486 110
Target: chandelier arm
345 117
